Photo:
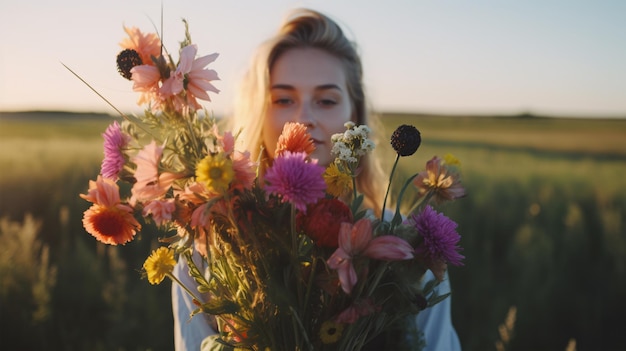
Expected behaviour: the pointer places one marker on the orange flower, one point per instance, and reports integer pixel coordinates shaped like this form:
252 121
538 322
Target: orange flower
294 138
437 179
108 220
146 45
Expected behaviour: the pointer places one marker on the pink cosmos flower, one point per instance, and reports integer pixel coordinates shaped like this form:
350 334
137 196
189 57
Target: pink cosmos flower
245 171
357 240
440 240
295 180
190 75
160 210
108 220
146 45
146 80
437 178
114 143
149 184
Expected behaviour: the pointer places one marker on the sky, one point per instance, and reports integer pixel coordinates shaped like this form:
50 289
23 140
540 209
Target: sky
548 57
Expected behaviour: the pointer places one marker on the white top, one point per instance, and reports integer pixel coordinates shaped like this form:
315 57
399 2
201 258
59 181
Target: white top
435 322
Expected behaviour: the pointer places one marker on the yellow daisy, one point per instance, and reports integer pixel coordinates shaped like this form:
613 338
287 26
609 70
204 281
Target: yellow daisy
330 332
160 263
216 172
338 183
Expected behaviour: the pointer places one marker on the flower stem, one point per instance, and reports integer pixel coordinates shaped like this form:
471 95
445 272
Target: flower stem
393 171
176 280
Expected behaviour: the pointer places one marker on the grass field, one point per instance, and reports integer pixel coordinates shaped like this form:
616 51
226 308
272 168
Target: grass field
543 229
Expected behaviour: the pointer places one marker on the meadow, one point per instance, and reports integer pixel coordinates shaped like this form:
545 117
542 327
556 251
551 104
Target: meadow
543 230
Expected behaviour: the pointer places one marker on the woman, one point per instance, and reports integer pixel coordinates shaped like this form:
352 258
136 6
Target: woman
310 73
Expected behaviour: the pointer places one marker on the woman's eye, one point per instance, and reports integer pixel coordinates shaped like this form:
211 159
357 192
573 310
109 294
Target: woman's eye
282 101
327 102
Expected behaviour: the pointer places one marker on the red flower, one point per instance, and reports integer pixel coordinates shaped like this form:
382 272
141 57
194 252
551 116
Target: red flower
323 221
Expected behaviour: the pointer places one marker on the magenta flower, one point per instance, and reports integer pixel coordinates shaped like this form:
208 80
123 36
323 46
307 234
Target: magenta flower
440 240
114 143
357 240
296 180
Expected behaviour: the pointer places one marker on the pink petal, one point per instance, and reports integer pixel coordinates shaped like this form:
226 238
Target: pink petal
341 262
389 248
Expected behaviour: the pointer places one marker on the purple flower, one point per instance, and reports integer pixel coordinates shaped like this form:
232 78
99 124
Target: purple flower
296 180
114 143
440 238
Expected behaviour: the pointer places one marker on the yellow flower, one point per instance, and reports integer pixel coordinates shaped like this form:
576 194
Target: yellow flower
160 263
216 172
338 183
451 160
330 332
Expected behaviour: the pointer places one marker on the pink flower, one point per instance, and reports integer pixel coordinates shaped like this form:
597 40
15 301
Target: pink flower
358 309
108 220
146 80
161 210
149 184
190 75
440 240
295 180
438 179
114 143
146 45
357 240
245 171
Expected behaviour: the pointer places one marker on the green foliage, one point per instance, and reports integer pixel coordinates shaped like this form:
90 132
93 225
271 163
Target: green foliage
543 229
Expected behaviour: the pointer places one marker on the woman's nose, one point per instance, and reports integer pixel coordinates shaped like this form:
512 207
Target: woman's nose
305 116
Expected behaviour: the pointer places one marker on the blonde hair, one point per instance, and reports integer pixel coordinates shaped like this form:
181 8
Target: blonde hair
304 28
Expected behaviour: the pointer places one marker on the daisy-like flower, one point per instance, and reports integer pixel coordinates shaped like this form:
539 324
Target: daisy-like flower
160 210
114 143
295 138
338 183
108 220
295 180
159 264
215 172
357 240
149 183
191 76
146 45
323 221
440 240
330 332
438 179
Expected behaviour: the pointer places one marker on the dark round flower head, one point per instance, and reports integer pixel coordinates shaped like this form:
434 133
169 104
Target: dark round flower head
126 60
405 140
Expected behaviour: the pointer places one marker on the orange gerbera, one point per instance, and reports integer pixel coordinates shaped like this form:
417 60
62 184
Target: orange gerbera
108 220
294 138
146 45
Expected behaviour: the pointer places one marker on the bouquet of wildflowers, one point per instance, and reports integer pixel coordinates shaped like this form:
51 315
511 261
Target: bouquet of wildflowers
294 260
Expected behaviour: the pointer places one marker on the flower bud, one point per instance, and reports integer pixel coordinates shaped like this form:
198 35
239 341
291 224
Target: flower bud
126 60
405 140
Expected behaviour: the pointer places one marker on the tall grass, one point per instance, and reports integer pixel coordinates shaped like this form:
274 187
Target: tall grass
543 229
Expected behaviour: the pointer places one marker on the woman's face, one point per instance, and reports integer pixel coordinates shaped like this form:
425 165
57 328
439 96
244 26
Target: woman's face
308 86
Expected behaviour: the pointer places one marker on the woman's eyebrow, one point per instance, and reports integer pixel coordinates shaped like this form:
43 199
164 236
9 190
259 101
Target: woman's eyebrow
291 87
